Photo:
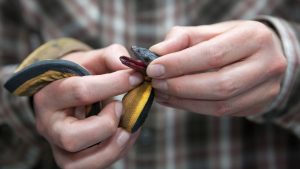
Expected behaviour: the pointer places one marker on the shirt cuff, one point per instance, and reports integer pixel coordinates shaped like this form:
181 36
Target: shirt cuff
290 46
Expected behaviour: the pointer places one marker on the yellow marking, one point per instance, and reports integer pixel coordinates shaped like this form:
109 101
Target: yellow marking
53 49
33 85
134 102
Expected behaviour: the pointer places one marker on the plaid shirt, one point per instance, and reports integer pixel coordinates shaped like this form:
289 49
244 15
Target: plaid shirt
170 138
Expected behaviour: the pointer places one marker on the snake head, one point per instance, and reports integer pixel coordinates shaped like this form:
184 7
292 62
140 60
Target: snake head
143 54
138 101
142 58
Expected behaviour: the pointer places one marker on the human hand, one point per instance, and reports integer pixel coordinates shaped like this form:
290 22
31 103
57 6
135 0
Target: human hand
230 68
60 111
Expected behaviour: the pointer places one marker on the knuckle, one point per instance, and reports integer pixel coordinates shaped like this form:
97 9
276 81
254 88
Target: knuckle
265 37
68 142
176 88
252 24
177 30
79 91
181 33
221 109
123 82
110 125
226 88
176 68
263 34
279 65
259 32
275 90
216 54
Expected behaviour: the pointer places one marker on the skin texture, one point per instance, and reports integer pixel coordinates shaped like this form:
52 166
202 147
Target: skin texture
231 68
60 111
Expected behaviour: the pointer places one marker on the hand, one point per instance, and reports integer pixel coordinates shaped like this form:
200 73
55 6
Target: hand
60 111
230 68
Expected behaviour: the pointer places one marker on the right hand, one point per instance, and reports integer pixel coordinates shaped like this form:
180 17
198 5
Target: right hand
74 140
233 68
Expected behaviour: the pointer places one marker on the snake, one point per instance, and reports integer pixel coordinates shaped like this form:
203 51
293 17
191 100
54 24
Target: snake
44 66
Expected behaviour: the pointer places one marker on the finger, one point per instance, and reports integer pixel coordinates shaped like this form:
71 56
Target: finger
214 53
217 85
85 90
181 37
134 136
100 61
261 96
98 156
71 134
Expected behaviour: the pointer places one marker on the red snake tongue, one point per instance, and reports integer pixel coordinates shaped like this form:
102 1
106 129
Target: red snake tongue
135 64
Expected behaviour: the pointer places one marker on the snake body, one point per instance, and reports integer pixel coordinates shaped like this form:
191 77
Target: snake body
43 66
138 101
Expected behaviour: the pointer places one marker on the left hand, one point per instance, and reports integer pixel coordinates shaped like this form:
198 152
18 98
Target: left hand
60 111
229 68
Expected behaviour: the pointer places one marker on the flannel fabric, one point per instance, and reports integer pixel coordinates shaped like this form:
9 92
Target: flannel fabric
170 138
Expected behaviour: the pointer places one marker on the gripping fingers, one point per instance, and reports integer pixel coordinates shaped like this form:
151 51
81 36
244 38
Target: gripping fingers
224 83
224 49
72 134
80 91
100 61
181 37
97 156
257 98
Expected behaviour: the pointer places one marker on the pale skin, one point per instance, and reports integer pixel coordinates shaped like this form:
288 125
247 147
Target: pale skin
60 109
231 68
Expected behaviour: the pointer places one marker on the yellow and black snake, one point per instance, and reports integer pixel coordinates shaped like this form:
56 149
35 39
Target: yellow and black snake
43 66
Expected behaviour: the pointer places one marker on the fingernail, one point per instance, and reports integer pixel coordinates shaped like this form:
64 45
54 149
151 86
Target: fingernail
135 79
118 109
156 70
159 47
159 84
122 138
161 97
154 47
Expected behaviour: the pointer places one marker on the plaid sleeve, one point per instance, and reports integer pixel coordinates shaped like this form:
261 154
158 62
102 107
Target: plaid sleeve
14 46
18 137
284 111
